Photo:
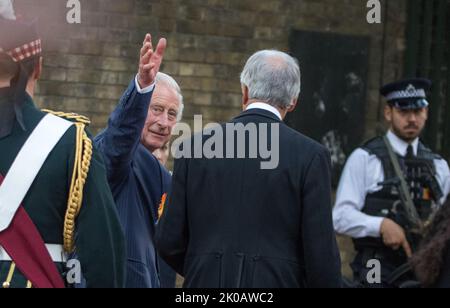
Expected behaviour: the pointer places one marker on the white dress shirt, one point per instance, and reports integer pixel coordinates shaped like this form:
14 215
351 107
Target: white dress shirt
144 90
360 177
266 107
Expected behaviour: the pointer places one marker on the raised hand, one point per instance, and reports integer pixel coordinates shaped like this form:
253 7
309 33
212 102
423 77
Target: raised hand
150 61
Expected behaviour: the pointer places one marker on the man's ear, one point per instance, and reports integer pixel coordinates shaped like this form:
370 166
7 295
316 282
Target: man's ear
293 105
245 97
426 113
38 69
388 113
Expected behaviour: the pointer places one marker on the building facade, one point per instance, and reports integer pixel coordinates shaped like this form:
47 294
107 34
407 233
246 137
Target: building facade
344 58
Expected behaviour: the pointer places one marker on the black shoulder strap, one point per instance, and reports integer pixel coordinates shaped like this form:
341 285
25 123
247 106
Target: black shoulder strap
427 153
372 145
377 147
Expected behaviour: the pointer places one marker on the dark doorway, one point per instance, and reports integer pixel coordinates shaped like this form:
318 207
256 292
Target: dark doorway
334 81
428 55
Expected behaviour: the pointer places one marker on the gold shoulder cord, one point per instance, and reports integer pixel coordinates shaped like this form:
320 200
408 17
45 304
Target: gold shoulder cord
83 156
7 283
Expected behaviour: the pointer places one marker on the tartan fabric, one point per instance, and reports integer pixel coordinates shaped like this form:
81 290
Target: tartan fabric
25 51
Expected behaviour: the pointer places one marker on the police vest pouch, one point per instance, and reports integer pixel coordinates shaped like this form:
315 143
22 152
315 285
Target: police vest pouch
379 205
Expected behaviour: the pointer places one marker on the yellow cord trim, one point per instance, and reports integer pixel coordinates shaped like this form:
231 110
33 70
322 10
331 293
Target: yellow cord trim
7 283
29 284
82 163
83 156
70 116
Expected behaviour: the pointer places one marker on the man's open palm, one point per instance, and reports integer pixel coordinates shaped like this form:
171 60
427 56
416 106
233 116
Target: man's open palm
150 61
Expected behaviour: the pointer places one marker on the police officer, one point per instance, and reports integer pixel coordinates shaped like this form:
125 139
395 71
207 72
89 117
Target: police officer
54 198
372 204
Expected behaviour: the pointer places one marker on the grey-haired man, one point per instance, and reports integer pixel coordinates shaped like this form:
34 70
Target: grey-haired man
142 122
231 223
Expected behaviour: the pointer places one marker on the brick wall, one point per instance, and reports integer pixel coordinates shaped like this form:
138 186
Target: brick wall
88 66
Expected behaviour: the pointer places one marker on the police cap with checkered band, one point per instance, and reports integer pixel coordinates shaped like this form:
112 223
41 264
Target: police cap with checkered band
407 94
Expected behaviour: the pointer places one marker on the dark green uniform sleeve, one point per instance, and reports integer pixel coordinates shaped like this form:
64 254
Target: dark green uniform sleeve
100 241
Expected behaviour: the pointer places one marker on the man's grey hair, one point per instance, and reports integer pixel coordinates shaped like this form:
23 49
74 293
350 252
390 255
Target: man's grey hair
272 77
171 83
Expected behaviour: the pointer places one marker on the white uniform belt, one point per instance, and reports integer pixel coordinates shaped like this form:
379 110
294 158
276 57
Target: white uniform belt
56 252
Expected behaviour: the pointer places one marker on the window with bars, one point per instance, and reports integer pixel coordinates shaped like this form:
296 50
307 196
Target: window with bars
428 55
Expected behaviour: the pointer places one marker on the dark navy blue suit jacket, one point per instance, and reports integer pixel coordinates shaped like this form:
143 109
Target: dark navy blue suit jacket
137 181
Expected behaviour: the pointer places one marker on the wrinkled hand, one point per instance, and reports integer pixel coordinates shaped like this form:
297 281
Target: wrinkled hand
150 61
394 236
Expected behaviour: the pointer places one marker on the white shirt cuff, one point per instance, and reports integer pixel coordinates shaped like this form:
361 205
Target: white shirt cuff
145 90
374 226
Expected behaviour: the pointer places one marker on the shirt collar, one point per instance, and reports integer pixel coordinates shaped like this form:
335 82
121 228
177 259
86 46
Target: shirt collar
266 107
400 146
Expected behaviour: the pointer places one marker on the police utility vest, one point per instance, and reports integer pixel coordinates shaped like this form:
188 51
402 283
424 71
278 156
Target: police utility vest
420 174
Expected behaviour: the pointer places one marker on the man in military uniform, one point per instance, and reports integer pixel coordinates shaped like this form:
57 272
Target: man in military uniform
54 198
391 186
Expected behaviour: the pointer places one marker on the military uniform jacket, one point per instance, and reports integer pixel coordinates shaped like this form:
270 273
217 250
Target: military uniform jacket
99 240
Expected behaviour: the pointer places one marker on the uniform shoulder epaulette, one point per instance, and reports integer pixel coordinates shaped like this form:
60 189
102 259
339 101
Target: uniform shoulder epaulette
73 117
82 163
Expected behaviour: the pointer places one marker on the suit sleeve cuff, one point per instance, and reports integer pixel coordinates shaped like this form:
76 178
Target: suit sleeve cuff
144 90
